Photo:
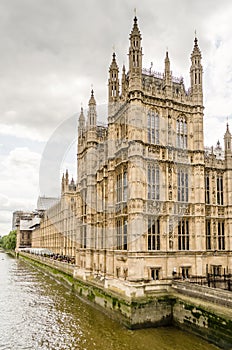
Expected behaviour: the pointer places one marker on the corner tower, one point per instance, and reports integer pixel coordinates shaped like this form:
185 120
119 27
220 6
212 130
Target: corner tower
227 142
92 113
113 86
113 81
135 58
196 73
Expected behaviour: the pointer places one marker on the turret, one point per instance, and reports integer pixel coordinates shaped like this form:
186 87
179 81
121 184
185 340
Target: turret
167 72
123 92
62 184
135 57
227 141
92 113
113 82
196 74
65 185
66 178
81 124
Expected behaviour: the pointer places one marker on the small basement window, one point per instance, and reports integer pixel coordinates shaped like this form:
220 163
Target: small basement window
155 274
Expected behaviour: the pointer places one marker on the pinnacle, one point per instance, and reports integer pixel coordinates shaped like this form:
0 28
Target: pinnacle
92 99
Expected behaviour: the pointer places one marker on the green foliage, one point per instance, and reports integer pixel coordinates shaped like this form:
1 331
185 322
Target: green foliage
8 242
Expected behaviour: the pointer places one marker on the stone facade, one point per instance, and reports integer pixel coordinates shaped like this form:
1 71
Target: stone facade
149 202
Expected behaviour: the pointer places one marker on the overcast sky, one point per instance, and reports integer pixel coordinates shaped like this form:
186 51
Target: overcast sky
52 51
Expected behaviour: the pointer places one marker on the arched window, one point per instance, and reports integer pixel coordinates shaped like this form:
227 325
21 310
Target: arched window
153 127
181 133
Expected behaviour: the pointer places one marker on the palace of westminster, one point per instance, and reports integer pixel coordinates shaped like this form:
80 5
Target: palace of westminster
150 201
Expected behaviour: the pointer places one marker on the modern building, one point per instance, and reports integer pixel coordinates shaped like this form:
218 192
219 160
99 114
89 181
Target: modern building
149 202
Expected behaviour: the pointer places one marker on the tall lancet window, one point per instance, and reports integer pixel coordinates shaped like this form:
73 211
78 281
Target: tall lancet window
181 133
121 232
220 189
182 185
121 186
153 182
153 125
183 234
153 234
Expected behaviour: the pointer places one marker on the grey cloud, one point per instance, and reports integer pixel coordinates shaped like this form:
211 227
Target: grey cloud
52 51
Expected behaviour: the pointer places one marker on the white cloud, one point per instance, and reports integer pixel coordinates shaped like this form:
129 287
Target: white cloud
19 183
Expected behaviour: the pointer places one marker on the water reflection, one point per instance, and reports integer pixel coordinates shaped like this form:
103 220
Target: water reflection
38 313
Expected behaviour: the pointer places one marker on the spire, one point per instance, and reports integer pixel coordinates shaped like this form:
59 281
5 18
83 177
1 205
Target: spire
81 124
72 186
196 50
113 82
113 63
92 113
167 62
135 30
227 130
92 99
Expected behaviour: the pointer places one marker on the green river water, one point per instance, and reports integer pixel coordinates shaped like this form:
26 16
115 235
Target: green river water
38 313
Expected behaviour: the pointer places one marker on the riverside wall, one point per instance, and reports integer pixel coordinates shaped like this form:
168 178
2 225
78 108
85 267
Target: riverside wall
201 310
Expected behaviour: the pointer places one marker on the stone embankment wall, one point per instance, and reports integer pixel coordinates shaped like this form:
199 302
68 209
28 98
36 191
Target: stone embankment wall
201 310
204 311
214 295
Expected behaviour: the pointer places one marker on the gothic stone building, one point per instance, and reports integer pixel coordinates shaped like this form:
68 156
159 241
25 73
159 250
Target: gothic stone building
149 202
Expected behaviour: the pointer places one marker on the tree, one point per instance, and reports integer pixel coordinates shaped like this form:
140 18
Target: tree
8 242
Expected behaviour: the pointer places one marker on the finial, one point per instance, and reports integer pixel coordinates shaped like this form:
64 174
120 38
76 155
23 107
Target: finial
135 11
195 40
227 124
91 90
92 93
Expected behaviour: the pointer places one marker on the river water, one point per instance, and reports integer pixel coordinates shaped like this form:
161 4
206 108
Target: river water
38 313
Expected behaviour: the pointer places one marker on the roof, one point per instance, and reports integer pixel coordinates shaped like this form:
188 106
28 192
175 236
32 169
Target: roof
35 222
25 225
44 203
